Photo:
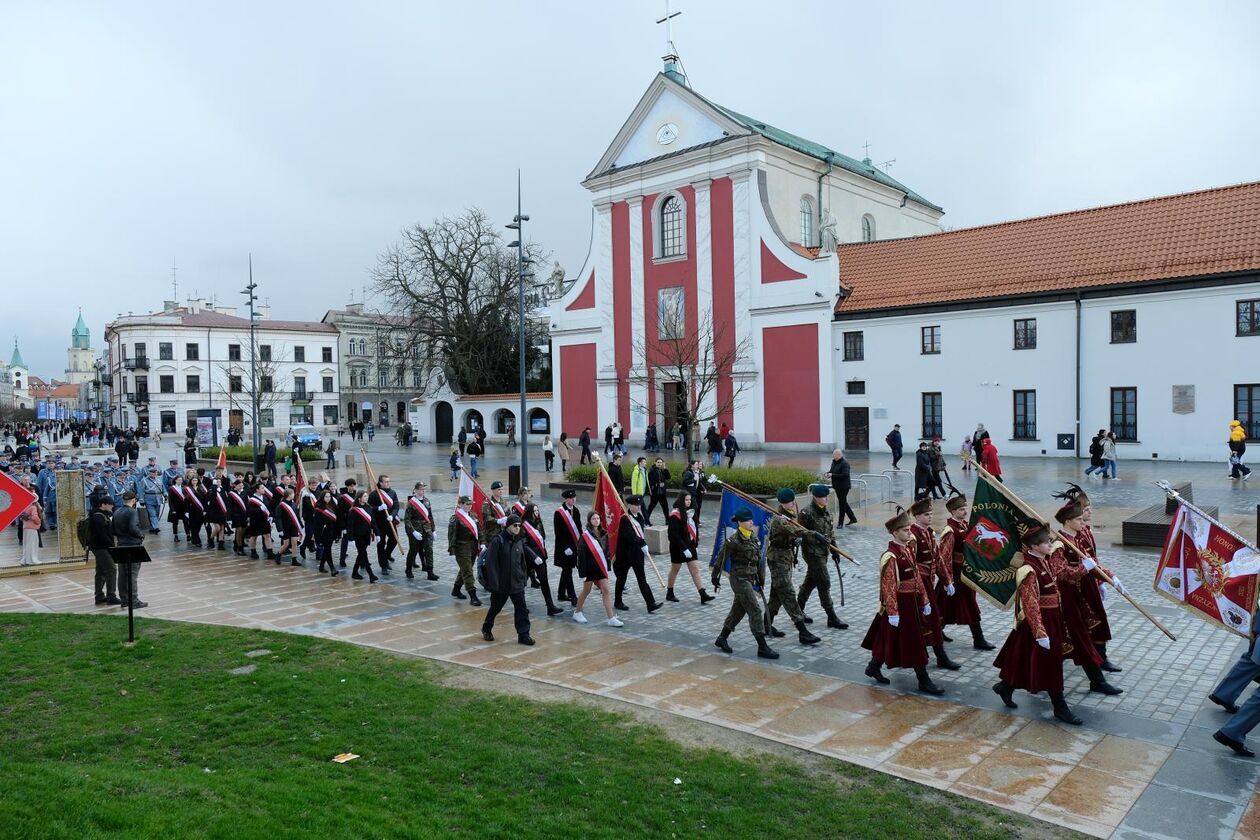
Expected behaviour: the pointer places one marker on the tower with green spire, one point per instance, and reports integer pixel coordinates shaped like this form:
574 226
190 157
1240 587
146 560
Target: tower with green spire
80 339
79 356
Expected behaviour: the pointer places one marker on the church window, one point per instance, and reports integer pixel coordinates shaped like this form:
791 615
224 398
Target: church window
673 220
807 221
868 228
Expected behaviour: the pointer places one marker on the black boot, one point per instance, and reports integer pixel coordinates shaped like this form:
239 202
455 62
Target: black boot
722 644
669 595
809 620
772 631
873 671
222 547
472 598
1107 664
977 638
293 561
1061 710
620 606
943 660
806 637
253 553
1001 689
834 622
431 576
271 555
764 650
1098 682
925 682
456 591
705 597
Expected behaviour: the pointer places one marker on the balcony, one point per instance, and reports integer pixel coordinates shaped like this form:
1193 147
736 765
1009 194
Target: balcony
136 363
138 397
302 396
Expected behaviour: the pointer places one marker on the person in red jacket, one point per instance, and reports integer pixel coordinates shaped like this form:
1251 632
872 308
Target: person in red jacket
989 459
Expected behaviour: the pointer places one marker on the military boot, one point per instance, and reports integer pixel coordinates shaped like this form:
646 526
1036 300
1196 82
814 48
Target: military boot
806 637
764 650
472 598
705 597
457 590
722 644
1098 682
943 660
834 622
873 671
1004 690
978 640
669 595
1062 711
1107 665
925 682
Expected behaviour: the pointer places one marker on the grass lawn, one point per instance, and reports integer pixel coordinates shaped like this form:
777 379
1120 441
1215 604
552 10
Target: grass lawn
161 741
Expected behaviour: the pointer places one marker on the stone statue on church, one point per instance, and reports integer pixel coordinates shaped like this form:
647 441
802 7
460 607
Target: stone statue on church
555 281
828 239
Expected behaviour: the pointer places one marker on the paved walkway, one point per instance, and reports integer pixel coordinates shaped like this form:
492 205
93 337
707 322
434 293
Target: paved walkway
1143 765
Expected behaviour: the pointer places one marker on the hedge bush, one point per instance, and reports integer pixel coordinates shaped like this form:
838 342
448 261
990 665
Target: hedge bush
241 453
764 481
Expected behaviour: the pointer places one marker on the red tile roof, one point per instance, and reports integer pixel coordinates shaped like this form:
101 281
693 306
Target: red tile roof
218 319
1214 231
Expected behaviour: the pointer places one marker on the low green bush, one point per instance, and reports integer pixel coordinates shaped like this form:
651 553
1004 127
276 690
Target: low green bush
243 453
759 480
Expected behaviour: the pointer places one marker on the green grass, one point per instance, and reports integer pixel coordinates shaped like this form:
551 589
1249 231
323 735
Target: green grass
161 741
764 481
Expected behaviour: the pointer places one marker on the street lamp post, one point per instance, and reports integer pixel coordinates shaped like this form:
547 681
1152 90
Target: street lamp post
253 365
522 425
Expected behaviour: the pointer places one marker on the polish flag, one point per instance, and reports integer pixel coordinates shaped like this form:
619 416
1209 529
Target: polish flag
609 507
469 487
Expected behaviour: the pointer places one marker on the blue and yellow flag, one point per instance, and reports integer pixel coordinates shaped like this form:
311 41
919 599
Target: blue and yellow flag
761 522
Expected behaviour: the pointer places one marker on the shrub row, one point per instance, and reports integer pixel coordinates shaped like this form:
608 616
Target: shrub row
757 480
243 453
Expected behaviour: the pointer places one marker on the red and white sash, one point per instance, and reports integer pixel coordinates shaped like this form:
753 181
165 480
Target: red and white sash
498 509
593 546
265 491
192 496
572 526
469 521
293 517
367 517
691 525
634 523
236 497
385 498
331 516
519 509
261 505
218 501
535 536
419 508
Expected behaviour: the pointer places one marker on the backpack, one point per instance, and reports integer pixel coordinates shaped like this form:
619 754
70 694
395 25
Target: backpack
480 565
888 439
83 532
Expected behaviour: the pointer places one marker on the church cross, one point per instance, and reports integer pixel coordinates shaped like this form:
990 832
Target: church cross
669 27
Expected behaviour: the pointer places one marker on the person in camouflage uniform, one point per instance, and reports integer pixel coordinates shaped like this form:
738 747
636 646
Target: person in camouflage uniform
418 523
464 541
493 513
744 552
784 538
817 519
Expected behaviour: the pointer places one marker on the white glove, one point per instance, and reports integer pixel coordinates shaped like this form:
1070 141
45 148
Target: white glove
417 535
538 561
1089 564
646 553
382 507
713 479
502 520
949 589
1044 641
927 609
568 552
687 553
1115 581
894 620
1102 593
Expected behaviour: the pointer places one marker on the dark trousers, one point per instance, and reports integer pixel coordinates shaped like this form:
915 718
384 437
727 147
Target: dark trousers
128 581
657 500
564 589
896 453
385 545
106 574
842 500
345 543
540 575
586 456
549 458
360 559
520 611
644 589
422 549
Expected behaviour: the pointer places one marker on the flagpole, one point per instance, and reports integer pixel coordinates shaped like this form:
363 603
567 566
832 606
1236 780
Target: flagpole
367 465
752 501
1067 542
1173 494
599 464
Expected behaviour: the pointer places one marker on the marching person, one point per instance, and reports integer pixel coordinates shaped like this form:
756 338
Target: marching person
781 557
632 551
361 524
1032 657
1091 585
592 565
290 527
175 505
931 565
385 516
151 492
216 514
259 523
327 529
508 557
817 554
493 513
1077 615
1245 671
961 607
196 509
345 501
463 541
418 523
658 488
743 549
126 527
536 541
684 546
896 635
566 522
239 512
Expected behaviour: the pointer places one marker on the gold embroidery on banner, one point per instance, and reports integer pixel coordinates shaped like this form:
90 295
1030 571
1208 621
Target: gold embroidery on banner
1211 571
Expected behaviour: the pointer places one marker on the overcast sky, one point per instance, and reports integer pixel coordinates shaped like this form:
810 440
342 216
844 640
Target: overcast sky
309 133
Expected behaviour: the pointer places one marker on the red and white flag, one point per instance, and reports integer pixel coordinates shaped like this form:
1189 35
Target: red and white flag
609 507
469 487
300 472
1209 569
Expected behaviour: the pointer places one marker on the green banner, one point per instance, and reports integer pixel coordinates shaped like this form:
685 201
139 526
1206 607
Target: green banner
991 541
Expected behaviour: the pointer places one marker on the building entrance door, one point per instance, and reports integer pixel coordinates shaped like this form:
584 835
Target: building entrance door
857 428
674 407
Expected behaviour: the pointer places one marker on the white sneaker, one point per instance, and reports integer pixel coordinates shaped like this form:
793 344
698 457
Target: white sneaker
578 617
615 622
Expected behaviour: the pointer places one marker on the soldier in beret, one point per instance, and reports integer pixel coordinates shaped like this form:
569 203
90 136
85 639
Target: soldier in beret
743 550
784 539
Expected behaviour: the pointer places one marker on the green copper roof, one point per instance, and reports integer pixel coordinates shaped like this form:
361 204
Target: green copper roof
16 361
864 167
79 337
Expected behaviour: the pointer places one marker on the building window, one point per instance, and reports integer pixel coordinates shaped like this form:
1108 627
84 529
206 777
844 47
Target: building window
931 341
1248 318
264 384
166 351
264 352
328 384
854 347
807 221
234 384
166 384
266 417
868 228
673 220
299 353
1247 409
142 389
299 387
932 414
234 352
362 347
382 379
857 386
1025 419
192 352
1124 326
415 379
1025 334
330 415
1124 413
326 353
192 383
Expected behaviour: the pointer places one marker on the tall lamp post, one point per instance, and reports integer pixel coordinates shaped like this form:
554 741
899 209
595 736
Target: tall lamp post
522 424
250 296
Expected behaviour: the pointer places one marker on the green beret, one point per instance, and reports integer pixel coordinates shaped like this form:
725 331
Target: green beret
820 491
785 495
495 485
742 515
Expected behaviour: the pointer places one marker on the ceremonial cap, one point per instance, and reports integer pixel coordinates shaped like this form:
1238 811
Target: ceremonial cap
1072 510
742 515
634 500
921 507
1032 532
785 495
463 500
820 491
569 494
899 521
495 485
956 501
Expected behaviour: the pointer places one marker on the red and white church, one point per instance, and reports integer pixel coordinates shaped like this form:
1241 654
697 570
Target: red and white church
704 211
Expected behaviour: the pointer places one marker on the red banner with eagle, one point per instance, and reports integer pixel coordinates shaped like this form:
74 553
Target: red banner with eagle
1209 570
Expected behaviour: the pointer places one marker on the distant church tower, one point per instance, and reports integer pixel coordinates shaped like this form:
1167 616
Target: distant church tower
79 356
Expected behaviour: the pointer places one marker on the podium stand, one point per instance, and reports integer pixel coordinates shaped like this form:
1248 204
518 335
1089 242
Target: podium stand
124 556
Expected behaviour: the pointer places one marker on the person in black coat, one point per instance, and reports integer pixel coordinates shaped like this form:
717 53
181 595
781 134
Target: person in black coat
176 506
385 515
694 482
100 541
684 546
327 523
507 562
190 452
567 524
614 473
842 483
631 553
658 487
923 472
259 523
359 526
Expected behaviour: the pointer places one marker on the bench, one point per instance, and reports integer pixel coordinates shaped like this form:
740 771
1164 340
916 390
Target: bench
1149 526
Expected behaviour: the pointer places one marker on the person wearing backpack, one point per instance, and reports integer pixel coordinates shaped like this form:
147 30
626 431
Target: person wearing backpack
893 439
100 541
1095 454
506 568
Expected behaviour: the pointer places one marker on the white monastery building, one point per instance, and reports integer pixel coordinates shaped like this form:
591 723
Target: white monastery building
837 308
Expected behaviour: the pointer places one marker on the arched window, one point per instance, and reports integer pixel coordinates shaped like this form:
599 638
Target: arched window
807 221
673 222
868 228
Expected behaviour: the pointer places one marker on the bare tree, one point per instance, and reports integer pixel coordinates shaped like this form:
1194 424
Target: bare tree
698 360
273 387
452 287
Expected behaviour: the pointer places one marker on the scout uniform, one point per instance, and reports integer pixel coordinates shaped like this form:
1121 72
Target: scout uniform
784 538
817 556
418 522
743 550
464 540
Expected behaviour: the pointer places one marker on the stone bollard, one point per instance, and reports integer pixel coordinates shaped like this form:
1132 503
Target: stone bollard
348 459
441 481
657 539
